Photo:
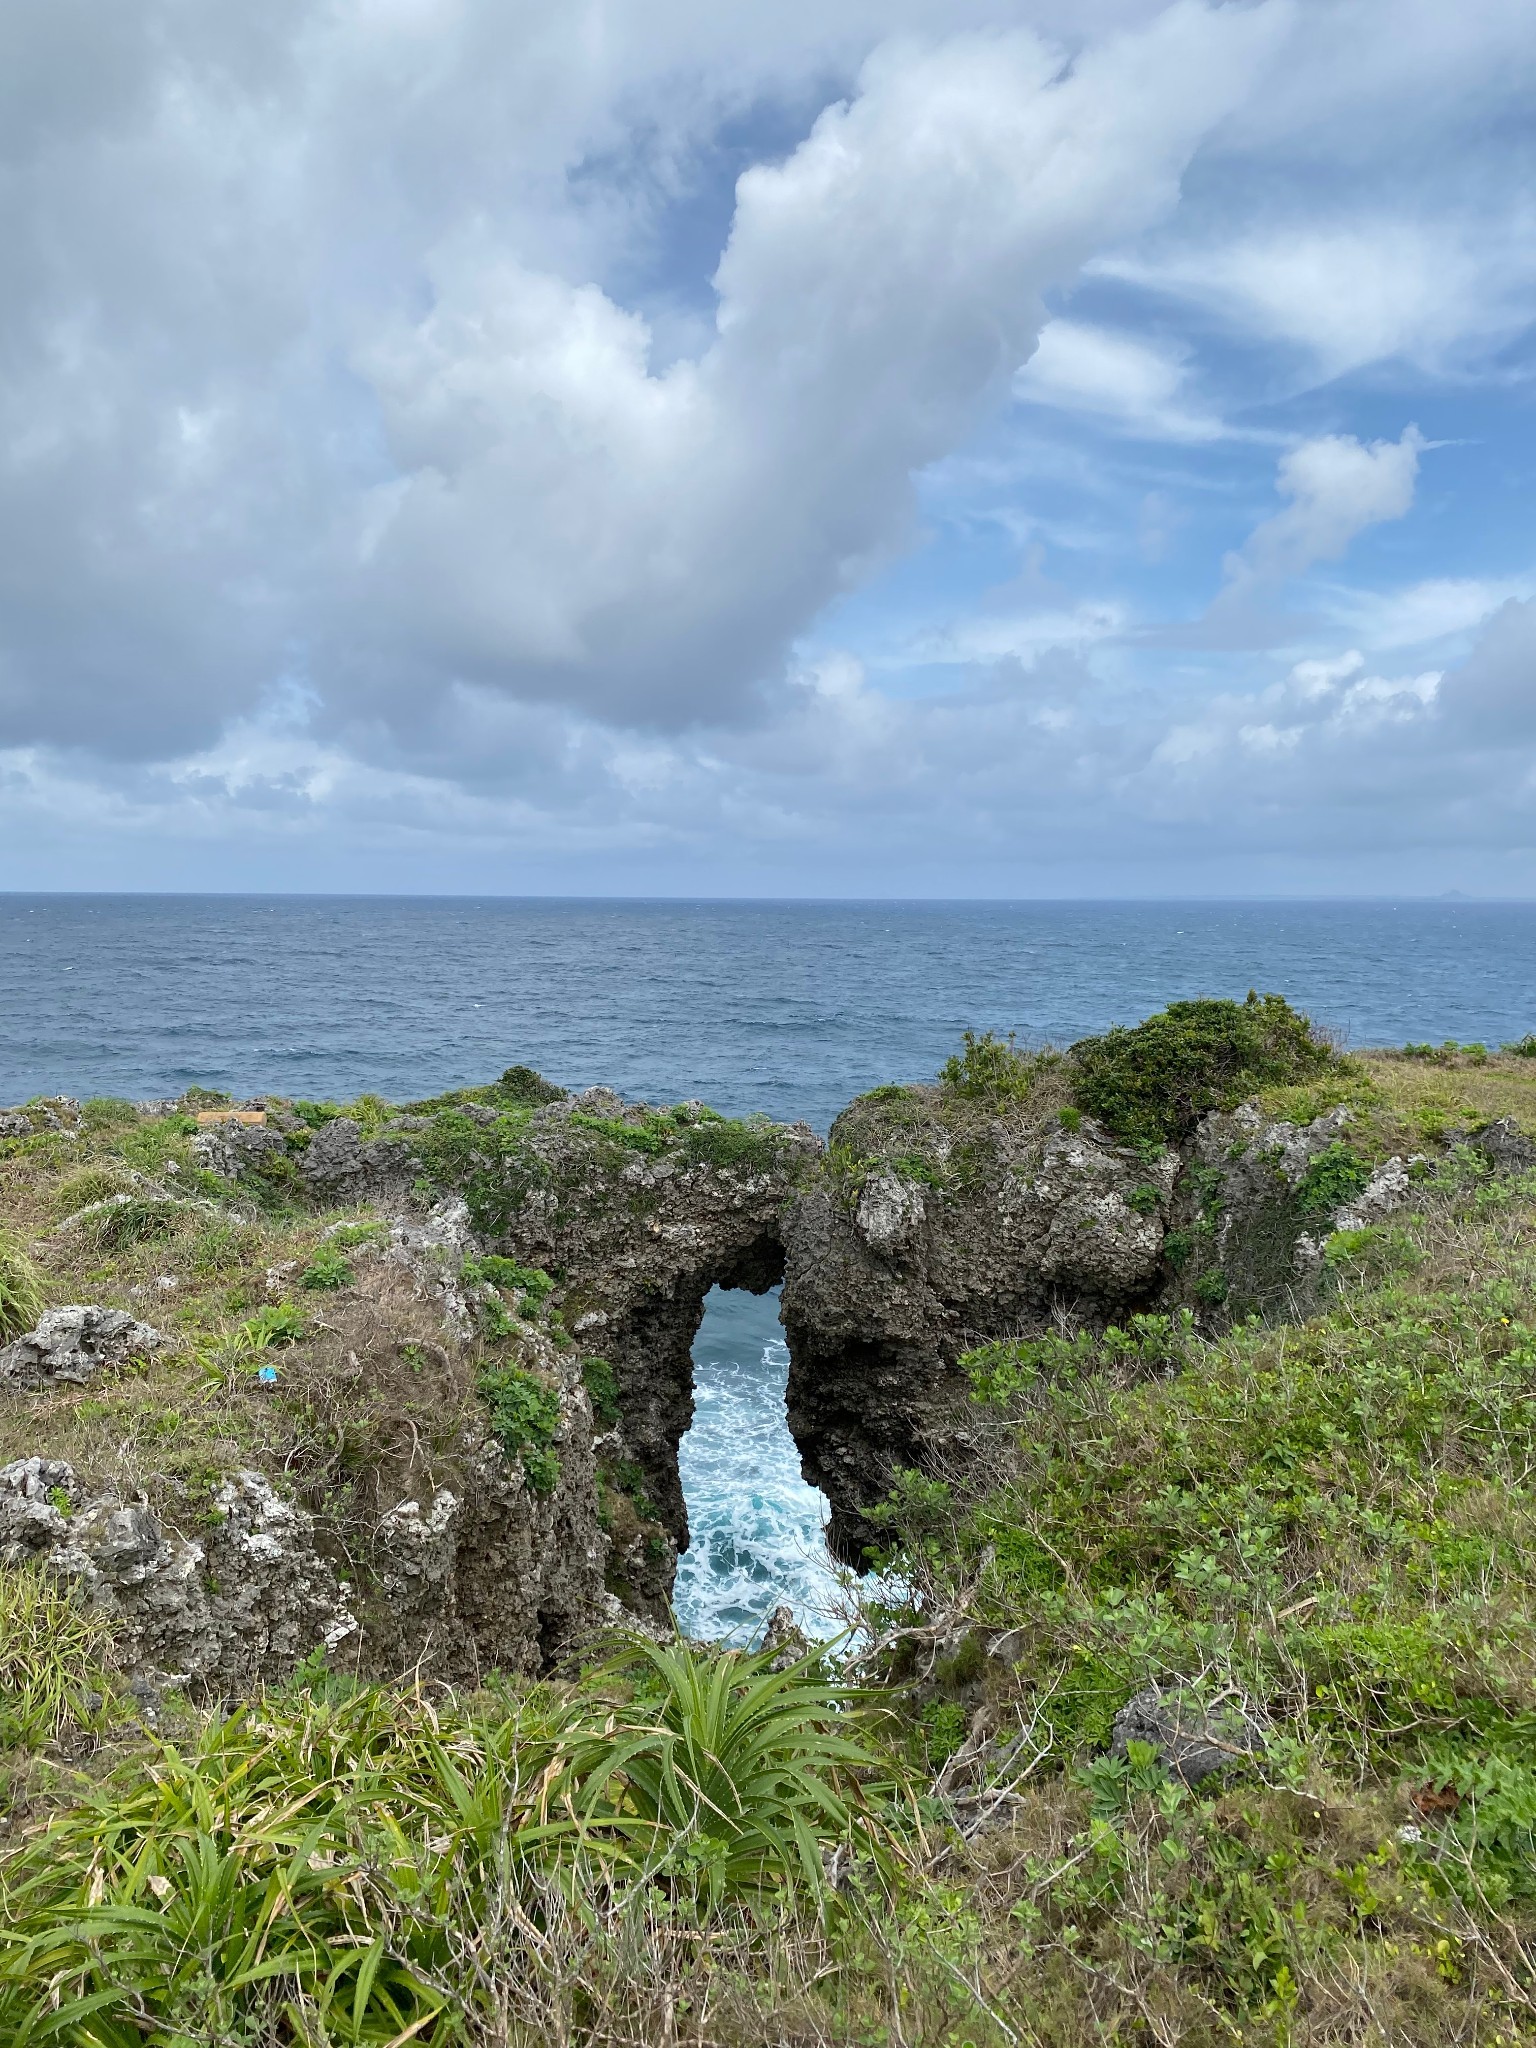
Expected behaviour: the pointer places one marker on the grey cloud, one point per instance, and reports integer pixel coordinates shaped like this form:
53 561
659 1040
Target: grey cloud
312 370
1492 698
846 788
289 282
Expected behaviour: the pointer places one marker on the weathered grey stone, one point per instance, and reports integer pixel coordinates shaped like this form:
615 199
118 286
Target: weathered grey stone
885 1288
71 1345
239 1607
231 1149
1191 1741
889 1213
1390 1187
340 1165
638 1240
433 1253
1506 1147
37 1495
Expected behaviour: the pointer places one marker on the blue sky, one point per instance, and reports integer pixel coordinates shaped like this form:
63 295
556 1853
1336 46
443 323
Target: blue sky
957 449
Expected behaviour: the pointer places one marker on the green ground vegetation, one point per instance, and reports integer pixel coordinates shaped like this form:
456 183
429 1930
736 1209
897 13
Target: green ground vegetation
290 1343
1328 1527
1148 1084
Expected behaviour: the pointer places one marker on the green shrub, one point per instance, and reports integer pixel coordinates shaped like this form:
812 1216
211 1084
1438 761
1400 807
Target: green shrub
1375 1248
602 1384
730 1775
525 1416
992 1069
279 1322
531 1282
750 1143
139 1220
90 1185
1523 1048
243 1349
316 1115
1004 1370
107 1113
322 1867
526 1085
1145 1200
888 1092
1333 1179
492 1165
152 1146
1149 1084
349 1235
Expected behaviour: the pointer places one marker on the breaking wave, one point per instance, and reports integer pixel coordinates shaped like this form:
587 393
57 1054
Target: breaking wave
757 1528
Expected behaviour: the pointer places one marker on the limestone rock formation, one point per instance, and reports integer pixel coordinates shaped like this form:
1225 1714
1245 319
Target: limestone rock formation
1191 1741
941 1222
638 1221
71 1345
239 1604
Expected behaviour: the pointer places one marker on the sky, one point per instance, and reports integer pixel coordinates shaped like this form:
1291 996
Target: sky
926 448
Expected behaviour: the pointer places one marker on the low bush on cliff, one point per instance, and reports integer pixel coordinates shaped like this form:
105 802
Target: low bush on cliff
1151 1083
993 1070
525 1415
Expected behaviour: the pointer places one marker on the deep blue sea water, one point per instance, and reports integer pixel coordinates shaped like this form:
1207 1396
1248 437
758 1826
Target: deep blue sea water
790 1008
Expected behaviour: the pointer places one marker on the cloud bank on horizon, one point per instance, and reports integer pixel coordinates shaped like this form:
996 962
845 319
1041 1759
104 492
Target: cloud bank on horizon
974 448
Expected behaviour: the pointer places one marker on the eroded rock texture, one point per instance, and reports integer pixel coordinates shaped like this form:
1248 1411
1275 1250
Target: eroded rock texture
940 1224
627 1215
70 1345
637 1220
240 1603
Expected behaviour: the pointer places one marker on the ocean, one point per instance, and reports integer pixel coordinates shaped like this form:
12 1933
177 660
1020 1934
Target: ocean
790 1008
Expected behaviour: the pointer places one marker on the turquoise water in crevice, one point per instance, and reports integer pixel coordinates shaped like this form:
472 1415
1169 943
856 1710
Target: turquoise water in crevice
755 1525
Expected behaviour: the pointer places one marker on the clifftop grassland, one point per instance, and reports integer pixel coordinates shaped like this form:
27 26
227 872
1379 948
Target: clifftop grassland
1196 1702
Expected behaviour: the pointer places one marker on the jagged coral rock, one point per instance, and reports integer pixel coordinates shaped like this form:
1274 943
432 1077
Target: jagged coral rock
241 1605
70 1345
963 1221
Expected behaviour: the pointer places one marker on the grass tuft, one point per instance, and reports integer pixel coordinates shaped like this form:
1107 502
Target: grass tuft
21 1290
54 1659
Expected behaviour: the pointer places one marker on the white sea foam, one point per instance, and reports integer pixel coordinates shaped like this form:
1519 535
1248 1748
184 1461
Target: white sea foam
756 1526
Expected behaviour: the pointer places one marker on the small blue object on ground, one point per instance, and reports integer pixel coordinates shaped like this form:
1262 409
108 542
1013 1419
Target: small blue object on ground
266 1374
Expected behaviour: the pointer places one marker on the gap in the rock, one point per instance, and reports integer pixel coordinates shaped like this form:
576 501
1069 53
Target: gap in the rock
756 1528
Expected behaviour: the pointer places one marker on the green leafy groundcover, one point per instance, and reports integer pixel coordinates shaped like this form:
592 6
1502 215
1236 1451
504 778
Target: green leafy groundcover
1331 1524
525 1416
316 1869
